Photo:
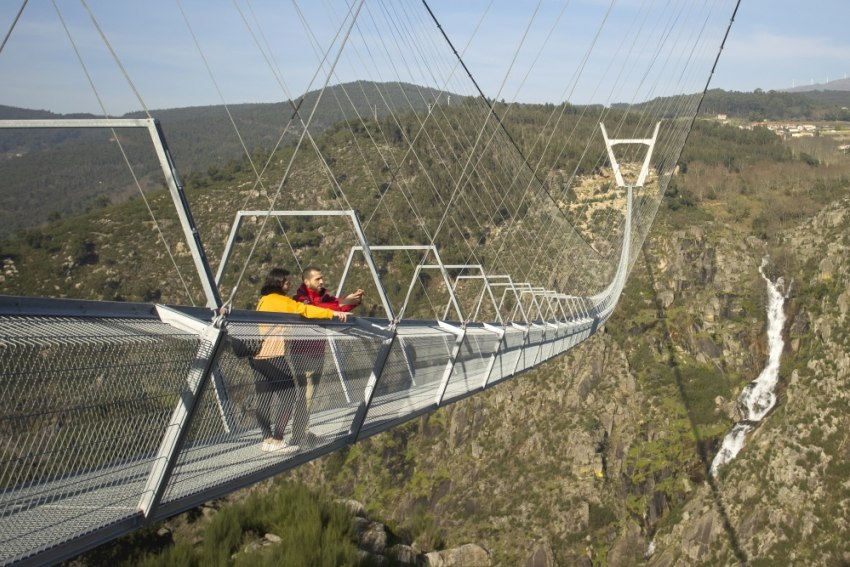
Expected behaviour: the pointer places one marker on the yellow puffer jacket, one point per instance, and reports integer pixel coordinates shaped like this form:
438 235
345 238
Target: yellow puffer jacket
274 346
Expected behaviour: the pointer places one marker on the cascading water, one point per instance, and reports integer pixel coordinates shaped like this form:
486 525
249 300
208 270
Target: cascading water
758 397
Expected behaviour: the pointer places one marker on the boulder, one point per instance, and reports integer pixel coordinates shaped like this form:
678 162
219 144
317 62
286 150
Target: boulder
371 536
468 555
356 508
542 556
404 554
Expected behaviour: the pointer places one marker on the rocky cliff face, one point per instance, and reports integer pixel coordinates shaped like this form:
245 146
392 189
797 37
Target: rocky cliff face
519 470
785 499
601 457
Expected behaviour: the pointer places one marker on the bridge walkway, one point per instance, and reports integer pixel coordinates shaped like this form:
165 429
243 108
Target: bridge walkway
91 391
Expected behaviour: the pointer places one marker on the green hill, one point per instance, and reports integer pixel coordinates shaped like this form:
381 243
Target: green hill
775 105
56 173
49 174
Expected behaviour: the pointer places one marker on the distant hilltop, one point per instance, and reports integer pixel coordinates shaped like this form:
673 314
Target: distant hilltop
836 85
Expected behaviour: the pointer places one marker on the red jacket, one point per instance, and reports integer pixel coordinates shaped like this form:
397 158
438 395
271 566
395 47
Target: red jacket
313 348
320 298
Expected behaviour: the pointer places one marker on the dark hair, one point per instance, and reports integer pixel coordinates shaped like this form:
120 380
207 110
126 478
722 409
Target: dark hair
308 271
274 281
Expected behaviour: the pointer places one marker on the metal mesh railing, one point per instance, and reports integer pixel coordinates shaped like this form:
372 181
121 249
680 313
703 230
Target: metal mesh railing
83 403
508 356
328 369
411 378
531 353
89 404
473 362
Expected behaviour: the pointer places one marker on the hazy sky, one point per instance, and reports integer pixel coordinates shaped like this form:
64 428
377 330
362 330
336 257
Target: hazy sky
774 44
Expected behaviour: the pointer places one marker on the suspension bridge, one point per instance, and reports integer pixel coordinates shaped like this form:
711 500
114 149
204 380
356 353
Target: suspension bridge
490 235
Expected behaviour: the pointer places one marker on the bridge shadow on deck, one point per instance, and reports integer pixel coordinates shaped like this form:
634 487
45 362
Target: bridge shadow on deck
701 446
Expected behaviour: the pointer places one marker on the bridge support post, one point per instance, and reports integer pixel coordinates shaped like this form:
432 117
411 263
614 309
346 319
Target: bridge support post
340 369
526 329
181 417
492 363
553 343
460 334
390 339
537 354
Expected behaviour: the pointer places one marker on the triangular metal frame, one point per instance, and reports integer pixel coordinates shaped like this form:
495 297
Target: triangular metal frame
356 227
428 249
509 286
486 289
644 170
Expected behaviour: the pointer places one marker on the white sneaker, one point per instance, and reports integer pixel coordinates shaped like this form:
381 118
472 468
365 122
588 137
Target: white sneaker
281 447
314 439
310 438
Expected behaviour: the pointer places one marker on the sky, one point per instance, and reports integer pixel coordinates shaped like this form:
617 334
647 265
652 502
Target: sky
773 44
778 44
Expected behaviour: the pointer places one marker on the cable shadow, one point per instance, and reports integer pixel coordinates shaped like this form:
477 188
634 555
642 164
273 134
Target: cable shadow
701 447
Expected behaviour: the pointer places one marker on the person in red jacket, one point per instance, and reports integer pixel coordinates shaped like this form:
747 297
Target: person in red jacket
313 292
309 355
274 384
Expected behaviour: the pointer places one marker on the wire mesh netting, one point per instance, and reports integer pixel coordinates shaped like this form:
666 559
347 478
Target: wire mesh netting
83 406
307 396
412 375
471 368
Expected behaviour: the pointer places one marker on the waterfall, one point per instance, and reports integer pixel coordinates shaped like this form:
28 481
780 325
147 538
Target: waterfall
758 397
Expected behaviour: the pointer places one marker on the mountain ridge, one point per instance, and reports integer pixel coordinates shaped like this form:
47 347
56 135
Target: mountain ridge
834 85
202 138
199 138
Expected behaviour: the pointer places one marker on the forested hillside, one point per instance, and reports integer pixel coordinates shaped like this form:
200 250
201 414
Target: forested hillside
95 255
778 105
49 174
600 457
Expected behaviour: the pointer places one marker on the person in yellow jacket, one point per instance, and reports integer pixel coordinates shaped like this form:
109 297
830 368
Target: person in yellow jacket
274 384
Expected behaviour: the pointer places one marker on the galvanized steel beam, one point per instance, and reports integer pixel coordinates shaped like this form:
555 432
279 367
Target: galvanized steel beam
181 417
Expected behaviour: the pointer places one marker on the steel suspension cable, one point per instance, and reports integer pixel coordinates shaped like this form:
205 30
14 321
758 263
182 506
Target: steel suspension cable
393 222
486 120
257 174
298 146
295 106
609 220
121 146
672 49
484 97
607 225
574 81
642 119
400 26
422 123
268 55
14 23
474 209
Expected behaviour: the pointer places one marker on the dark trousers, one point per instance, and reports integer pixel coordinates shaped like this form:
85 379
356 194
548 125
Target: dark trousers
275 394
307 370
